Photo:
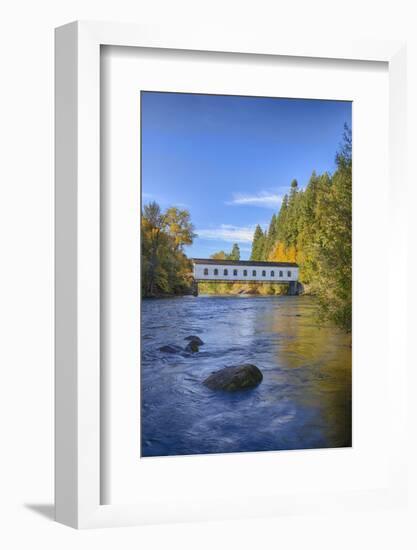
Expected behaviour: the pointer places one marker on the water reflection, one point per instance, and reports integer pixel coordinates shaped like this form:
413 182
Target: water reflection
303 402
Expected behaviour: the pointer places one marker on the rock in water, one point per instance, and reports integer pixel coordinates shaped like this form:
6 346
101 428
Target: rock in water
170 349
195 339
192 346
238 377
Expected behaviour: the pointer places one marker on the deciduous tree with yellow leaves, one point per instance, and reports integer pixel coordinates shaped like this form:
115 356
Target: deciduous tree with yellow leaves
165 267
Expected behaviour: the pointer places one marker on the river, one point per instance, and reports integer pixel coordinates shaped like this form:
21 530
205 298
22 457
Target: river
303 402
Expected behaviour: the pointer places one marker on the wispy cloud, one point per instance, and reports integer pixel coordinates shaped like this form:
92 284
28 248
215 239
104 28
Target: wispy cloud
264 199
228 233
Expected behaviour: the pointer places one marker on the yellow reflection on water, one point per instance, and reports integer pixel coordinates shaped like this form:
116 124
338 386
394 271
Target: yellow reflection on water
317 364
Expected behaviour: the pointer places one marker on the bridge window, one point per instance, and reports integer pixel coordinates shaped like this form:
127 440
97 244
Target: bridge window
254 273
235 272
281 273
263 273
205 271
272 273
225 272
216 271
245 272
289 273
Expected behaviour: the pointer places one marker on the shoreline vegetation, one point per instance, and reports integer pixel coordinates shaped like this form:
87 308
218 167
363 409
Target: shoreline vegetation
313 228
239 289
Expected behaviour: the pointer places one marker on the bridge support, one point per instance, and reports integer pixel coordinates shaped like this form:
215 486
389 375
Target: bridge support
195 288
293 288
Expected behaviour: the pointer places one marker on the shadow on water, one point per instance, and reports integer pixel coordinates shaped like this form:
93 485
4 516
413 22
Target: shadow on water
304 400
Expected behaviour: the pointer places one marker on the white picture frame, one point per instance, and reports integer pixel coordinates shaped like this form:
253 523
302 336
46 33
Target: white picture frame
78 321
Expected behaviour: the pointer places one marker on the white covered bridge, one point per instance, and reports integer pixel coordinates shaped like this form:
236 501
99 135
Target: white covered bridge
211 270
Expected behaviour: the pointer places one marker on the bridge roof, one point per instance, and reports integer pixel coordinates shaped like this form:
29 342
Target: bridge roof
213 261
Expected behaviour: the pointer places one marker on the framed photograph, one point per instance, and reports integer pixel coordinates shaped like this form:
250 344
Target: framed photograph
224 216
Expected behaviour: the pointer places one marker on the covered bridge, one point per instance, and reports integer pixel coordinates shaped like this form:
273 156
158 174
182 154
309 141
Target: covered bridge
212 270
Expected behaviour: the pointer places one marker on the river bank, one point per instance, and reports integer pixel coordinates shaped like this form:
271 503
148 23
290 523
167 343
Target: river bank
250 289
234 289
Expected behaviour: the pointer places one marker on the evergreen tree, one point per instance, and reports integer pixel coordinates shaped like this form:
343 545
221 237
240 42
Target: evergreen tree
281 219
333 283
258 244
291 232
314 228
271 236
235 253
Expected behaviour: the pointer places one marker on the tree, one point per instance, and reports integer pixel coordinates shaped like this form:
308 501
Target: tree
258 244
314 228
291 233
235 253
333 283
153 240
221 255
344 155
165 268
271 236
179 227
281 219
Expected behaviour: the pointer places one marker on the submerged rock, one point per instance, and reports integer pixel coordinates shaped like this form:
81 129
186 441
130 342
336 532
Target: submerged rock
238 377
170 348
195 339
192 347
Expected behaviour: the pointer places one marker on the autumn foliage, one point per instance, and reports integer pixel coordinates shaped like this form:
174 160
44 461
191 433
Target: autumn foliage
165 267
314 229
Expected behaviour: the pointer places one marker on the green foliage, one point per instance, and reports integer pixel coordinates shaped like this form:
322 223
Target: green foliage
333 248
165 267
314 228
234 254
270 237
258 244
221 255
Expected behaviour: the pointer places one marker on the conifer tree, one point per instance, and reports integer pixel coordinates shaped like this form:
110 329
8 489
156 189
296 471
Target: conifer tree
235 253
314 228
271 237
258 244
281 219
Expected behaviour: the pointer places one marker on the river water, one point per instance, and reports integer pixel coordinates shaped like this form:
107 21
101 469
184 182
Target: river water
303 402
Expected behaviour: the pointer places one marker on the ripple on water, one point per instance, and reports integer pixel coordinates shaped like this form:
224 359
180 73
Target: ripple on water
303 401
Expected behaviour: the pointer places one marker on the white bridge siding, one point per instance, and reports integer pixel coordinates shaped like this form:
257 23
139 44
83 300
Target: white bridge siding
242 272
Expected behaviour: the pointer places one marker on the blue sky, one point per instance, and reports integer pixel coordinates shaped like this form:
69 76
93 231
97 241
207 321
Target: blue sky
229 159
